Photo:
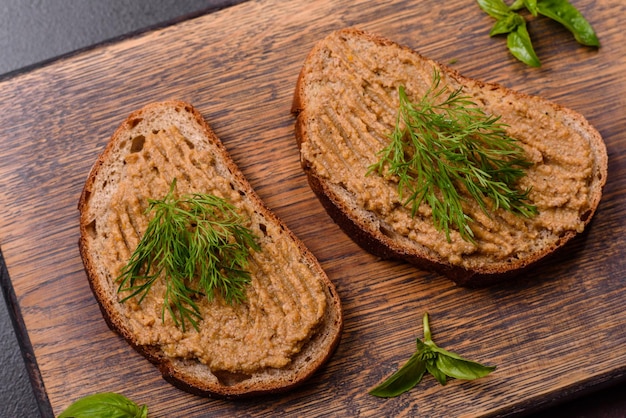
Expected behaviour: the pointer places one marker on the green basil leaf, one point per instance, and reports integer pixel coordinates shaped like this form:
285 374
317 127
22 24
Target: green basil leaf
566 14
460 368
521 46
402 380
105 405
432 359
517 5
431 366
502 27
441 363
447 353
508 24
531 5
422 347
494 8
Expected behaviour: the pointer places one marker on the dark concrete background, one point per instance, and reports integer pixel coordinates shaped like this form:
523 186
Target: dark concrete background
35 31
32 31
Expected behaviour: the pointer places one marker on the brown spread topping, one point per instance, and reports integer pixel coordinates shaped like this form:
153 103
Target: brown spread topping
284 303
355 106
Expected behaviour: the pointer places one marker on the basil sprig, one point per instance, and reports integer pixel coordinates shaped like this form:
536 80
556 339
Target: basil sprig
566 14
513 25
106 404
434 360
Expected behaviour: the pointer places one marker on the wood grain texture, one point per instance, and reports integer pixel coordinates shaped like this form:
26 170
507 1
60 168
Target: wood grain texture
555 332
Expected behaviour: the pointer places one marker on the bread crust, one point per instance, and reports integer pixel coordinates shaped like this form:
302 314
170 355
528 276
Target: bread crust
191 375
376 241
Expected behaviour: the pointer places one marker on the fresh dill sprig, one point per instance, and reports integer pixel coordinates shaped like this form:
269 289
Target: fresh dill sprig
197 243
445 147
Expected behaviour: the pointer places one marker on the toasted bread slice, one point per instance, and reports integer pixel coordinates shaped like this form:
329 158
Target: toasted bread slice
291 319
346 102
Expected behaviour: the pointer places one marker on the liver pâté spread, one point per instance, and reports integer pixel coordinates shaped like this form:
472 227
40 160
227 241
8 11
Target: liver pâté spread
356 103
284 302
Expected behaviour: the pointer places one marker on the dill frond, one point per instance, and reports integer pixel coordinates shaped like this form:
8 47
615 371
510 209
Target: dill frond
196 243
445 147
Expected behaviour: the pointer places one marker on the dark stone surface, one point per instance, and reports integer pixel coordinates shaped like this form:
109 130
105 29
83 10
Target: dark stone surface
16 394
32 31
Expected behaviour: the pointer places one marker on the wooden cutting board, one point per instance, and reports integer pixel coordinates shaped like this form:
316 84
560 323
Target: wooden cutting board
558 331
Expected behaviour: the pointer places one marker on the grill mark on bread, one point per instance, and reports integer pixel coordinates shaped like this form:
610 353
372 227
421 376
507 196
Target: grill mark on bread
134 211
270 301
297 291
121 246
130 236
180 160
346 131
284 300
335 147
375 100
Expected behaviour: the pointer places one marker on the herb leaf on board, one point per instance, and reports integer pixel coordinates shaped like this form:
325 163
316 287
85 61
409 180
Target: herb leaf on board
435 360
106 404
512 24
